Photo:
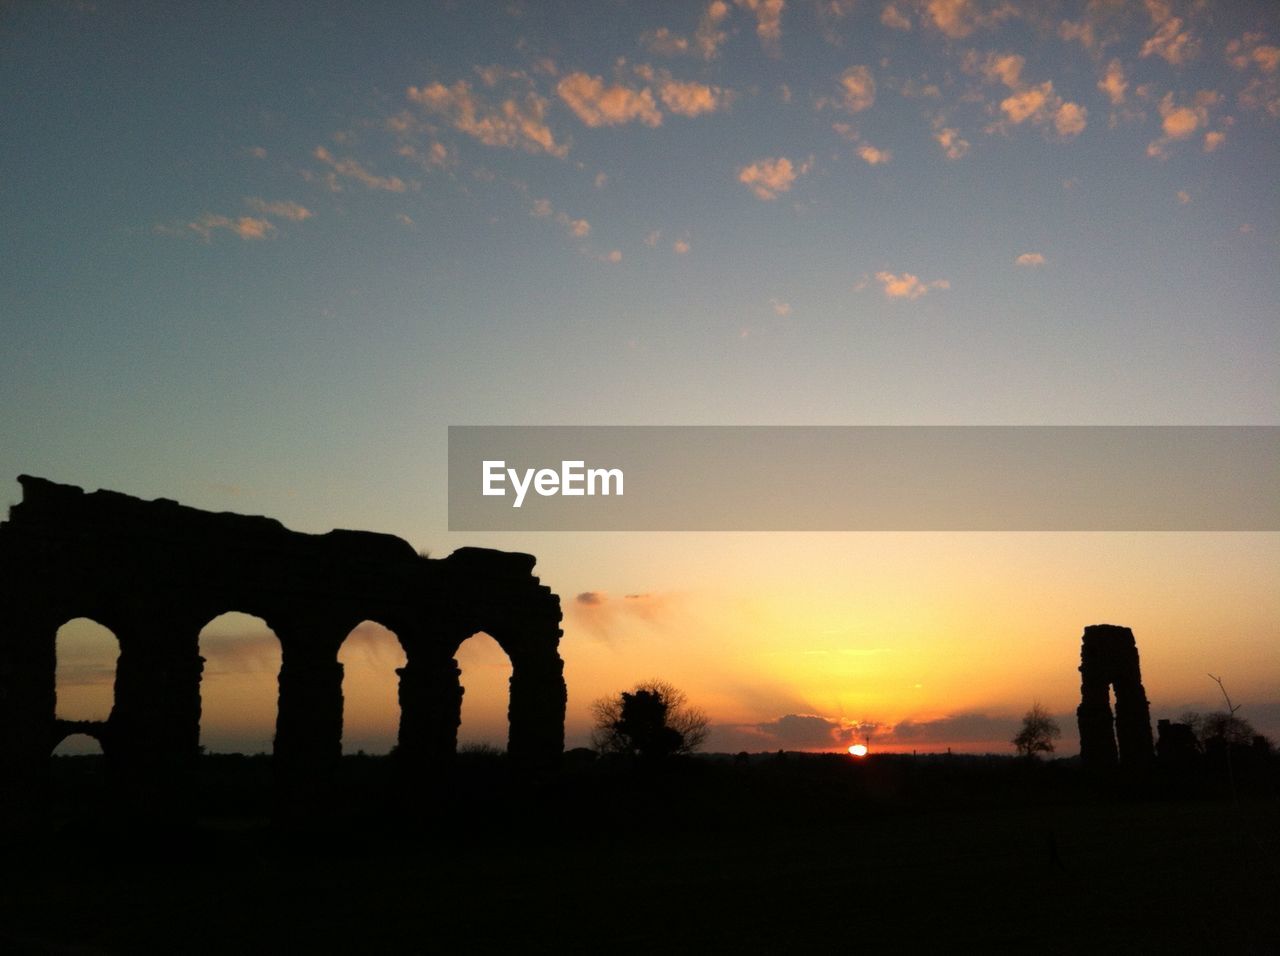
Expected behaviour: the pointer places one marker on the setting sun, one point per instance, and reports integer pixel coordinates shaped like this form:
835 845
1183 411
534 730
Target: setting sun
858 750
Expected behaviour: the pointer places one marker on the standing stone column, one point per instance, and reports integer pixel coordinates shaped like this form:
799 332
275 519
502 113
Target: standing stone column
309 719
536 710
1097 726
27 702
1109 659
430 707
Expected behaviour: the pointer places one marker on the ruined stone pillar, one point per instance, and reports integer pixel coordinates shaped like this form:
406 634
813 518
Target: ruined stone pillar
1097 726
27 703
1109 659
155 721
309 718
430 707
536 710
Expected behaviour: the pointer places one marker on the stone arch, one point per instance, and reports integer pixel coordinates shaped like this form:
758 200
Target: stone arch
485 670
78 743
85 656
372 654
155 572
240 658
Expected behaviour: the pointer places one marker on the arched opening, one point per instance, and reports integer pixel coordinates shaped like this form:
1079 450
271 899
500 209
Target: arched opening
77 774
486 683
369 656
239 687
86 673
78 745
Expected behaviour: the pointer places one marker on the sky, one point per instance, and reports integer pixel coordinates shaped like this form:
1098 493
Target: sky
258 257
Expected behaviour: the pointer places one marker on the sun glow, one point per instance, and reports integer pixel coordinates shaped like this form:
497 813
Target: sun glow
858 750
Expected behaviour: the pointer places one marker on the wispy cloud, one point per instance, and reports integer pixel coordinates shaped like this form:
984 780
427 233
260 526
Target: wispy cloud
607 618
244 227
1031 259
517 122
283 209
351 169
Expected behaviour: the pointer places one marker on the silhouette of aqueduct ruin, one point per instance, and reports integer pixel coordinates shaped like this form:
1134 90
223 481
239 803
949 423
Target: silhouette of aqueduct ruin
155 572
1109 659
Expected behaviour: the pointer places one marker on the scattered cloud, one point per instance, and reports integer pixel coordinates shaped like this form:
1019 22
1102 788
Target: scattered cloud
873 156
857 89
1037 103
768 14
350 169
907 286
1181 121
690 99
1183 197
1251 55
1070 119
780 308
405 221
1213 139
1030 259
651 240
957 19
709 36
258 152
1113 83
599 105
954 146
768 178
515 122
542 209
1081 31
1004 68
1042 106
662 42
894 19
1249 51
681 247
1171 41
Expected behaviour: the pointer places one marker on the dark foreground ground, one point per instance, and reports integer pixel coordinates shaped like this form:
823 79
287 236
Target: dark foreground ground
779 855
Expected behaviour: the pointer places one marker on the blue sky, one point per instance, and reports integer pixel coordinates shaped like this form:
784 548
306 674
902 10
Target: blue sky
258 257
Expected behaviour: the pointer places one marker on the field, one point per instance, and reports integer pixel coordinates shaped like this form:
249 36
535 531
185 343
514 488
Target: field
775 854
